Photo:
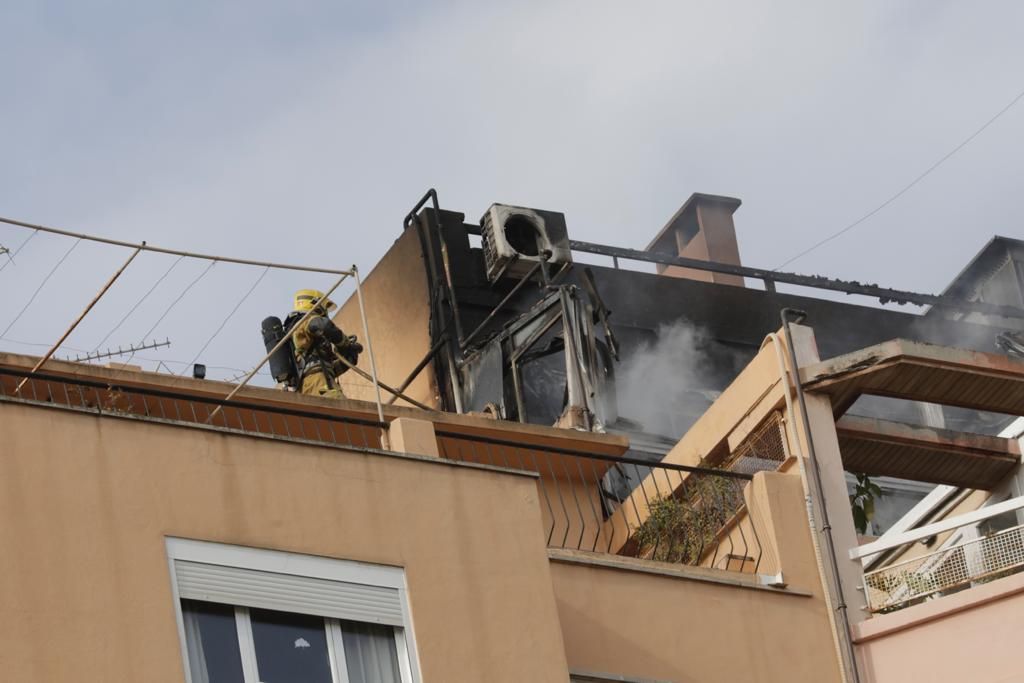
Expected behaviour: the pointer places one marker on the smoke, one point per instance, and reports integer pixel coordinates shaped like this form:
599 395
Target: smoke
665 385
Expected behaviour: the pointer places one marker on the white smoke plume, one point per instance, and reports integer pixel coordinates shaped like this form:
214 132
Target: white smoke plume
667 384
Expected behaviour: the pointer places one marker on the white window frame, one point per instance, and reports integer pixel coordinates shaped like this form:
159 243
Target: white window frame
294 564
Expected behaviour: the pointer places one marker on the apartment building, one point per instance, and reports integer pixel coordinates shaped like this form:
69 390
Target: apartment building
540 522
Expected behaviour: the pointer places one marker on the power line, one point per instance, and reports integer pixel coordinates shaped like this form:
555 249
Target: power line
40 287
145 358
225 321
175 303
42 344
138 303
10 256
912 183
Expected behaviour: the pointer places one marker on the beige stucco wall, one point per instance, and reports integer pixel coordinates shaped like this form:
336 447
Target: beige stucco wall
692 624
634 623
85 504
971 636
395 295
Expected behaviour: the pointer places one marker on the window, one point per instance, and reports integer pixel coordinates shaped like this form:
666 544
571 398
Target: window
261 616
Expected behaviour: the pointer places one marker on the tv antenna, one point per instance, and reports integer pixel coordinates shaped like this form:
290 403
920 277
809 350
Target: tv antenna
110 353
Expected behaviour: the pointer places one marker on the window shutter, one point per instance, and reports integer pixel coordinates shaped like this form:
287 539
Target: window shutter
288 593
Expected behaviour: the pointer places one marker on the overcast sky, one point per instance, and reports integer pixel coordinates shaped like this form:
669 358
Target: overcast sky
304 131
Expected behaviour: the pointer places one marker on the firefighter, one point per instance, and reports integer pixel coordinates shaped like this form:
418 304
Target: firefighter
318 343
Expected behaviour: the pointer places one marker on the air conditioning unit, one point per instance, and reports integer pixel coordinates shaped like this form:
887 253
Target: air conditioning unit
514 237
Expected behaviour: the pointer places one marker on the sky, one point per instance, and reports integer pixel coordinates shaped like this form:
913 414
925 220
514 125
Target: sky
303 132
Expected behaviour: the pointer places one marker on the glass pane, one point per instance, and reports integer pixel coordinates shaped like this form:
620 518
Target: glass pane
370 653
211 639
290 648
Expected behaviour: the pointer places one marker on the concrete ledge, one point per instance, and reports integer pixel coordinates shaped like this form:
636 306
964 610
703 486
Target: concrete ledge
225 431
470 425
667 569
882 625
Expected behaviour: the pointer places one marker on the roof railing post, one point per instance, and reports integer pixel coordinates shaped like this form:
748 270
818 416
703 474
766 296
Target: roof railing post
81 317
373 360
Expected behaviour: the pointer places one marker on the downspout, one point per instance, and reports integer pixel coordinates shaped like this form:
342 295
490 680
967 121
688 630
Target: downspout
833 593
809 506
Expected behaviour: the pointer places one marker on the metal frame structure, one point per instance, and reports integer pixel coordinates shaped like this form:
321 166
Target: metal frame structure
773 277
585 514
81 316
942 526
557 303
458 348
143 246
982 556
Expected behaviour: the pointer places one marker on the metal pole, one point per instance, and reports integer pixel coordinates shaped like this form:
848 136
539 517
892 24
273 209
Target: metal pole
812 461
284 340
369 343
883 294
397 393
418 369
501 304
161 250
80 317
453 377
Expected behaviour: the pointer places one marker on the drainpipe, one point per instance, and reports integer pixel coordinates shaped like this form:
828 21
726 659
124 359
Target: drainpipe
833 592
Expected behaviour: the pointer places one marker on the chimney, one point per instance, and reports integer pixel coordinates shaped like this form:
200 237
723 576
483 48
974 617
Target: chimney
701 229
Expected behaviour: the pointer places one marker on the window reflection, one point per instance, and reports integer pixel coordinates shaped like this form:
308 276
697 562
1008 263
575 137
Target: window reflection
212 642
290 648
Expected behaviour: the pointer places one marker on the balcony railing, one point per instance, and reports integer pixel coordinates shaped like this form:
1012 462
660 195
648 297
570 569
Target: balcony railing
969 552
947 570
610 504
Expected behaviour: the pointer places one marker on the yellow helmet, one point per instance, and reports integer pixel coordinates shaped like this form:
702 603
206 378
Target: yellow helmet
306 299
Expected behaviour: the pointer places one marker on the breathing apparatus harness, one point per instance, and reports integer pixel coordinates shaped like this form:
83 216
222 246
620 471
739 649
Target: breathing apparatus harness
327 345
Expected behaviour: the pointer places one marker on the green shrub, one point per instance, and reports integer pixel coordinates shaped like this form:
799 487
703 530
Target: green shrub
680 527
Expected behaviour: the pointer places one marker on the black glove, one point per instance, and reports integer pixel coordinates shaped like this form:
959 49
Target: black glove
349 349
351 343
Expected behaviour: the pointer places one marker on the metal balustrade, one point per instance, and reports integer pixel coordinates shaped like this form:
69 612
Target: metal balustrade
946 570
678 514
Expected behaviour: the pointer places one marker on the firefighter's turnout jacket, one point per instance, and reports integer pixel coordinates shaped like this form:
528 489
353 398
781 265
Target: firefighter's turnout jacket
317 343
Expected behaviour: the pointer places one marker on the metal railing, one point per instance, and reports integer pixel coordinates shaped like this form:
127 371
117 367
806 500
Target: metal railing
609 504
764 450
947 570
970 552
245 417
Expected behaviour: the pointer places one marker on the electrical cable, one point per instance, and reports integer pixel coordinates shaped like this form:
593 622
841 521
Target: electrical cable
138 303
10 256
265 373
225 321
43 345
21 342
906 188
40 287
162 250
173 304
